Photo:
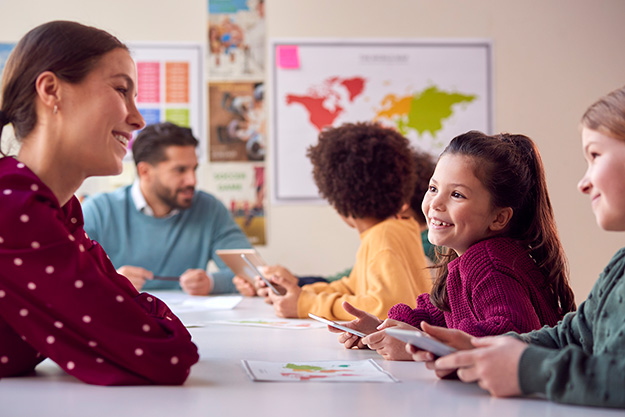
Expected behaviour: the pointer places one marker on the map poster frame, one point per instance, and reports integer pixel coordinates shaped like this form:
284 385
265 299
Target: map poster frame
431 90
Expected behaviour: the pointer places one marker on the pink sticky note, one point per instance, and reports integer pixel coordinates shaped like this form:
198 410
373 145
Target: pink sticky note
287 56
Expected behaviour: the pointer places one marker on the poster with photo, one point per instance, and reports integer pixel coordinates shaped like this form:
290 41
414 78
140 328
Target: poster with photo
236 39
237 125
241 188
170 78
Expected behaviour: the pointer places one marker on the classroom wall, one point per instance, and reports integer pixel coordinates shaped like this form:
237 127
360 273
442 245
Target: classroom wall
552 58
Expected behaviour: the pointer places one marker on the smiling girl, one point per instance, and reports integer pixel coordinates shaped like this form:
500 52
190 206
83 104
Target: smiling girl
579 361
503 268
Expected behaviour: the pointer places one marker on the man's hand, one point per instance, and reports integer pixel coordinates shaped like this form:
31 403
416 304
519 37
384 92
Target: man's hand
136 275
244 286
196 282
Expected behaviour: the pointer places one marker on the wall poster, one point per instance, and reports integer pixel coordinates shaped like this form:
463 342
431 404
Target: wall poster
170 80
429 90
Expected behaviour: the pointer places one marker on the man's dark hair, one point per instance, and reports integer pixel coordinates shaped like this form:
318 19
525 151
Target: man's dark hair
151 142
363 169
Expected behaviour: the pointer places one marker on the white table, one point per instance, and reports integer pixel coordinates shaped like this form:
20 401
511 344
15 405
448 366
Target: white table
218 385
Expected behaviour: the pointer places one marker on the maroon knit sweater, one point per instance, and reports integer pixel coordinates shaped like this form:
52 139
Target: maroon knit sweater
494 287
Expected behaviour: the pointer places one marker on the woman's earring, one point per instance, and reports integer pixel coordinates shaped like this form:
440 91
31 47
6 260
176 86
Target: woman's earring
55 109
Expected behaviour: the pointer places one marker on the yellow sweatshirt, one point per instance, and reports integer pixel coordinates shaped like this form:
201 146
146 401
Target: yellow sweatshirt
390 268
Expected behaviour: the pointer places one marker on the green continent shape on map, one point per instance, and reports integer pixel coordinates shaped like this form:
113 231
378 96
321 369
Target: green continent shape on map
307 368
423 112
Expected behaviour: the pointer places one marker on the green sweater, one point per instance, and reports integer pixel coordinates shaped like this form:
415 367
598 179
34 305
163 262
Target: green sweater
582 359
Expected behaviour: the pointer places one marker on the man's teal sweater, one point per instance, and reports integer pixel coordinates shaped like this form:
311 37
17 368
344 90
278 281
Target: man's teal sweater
166 246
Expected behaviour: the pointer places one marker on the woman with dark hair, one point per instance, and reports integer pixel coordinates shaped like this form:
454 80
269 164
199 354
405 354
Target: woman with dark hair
68 91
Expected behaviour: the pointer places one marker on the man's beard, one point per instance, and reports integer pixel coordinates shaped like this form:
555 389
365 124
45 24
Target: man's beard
172 200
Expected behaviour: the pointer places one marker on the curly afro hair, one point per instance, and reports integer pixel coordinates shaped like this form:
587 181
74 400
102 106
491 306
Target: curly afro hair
363 169
424 168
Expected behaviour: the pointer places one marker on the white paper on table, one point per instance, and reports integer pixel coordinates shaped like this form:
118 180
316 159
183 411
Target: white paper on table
317 371
183 303
276 323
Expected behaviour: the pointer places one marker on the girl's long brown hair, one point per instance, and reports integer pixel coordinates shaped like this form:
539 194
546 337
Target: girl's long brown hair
511 169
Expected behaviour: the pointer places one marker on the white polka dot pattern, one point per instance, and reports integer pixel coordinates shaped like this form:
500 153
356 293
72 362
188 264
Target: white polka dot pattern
61 284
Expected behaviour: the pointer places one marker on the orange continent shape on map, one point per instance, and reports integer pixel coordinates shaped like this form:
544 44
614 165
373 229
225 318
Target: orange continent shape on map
318 115
394 106
423 112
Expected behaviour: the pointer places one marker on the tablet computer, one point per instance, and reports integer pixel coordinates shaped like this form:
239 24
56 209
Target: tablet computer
421 340
336 325
234 260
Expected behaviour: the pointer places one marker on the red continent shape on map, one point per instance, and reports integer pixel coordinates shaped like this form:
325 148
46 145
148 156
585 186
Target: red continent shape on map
319 116
354 86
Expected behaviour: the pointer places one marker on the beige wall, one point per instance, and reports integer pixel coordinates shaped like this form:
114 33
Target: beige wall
552 58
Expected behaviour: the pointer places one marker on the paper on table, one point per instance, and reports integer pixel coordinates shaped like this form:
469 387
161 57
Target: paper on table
319 371
295 324
182 303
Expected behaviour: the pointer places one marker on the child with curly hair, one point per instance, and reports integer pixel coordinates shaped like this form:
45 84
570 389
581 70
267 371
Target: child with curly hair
367 173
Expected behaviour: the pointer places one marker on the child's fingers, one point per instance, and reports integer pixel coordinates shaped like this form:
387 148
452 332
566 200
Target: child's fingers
353 310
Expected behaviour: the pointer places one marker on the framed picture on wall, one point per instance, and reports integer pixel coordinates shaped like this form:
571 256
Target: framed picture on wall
429 90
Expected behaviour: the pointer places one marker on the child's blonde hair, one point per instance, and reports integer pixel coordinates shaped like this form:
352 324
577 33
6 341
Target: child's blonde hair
607 115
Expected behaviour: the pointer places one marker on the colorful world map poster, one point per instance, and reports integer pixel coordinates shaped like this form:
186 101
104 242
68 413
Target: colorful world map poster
429 90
